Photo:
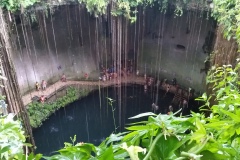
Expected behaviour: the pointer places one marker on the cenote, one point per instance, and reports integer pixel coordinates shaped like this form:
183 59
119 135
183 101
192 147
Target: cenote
91 118
55 51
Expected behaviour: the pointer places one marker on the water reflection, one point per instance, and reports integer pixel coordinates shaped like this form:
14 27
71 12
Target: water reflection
91 118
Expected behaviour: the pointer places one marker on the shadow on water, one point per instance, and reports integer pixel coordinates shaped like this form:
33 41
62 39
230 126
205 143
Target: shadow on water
91 117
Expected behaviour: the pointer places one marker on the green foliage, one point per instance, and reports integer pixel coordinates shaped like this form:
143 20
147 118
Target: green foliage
227 14
96 7
12 140
39 112
129 8
196 137
14 5
110 102
215 137
163 136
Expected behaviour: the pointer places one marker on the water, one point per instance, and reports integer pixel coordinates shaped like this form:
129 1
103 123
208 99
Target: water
93 122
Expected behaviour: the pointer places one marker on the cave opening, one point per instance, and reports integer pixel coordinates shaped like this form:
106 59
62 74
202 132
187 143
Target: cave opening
89 50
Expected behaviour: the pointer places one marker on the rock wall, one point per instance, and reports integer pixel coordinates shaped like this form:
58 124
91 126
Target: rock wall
73 42
53 45
11 87
225 52
173 46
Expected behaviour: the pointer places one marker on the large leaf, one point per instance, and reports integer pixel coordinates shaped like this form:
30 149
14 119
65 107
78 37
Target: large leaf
235 117
114 138
134 135
107 154
213 156
142 127
4 149
165 148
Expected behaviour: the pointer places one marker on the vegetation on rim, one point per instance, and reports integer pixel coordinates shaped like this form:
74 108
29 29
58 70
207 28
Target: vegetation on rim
39 112
161 136
172 137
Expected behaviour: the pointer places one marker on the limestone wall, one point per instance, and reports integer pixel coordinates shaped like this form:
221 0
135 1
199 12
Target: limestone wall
225 52
73 42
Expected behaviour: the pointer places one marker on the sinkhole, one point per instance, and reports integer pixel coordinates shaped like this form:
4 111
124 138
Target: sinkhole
91 118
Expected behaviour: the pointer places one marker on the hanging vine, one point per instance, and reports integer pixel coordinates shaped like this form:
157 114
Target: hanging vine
128 8
14 5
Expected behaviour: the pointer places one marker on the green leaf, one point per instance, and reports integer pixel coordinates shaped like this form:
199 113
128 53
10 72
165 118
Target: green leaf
134 135
143 115
232 115
200 127
133 128
107 154
213 156
115 138
4 149
166 148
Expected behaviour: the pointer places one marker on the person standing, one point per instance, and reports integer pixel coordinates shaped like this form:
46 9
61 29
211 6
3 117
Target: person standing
145 88
154 107
174 81
170 110
44 85
137 72
63 78
42 99
37 86
86 76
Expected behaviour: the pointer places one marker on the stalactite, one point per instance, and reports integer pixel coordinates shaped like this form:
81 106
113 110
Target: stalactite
54 37
134 43
158 49
27 24
19 48
105 51
69 27
97 41
140 19
196 49
89 35
41 28
33 42
81 42
48 46
143 34
11 88
109 24
113 36
125 41
69 37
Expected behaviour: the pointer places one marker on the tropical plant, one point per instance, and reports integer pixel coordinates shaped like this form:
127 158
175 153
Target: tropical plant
11 137
127 8
162 136
227 14
172 137
12 140
37 115
14 5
